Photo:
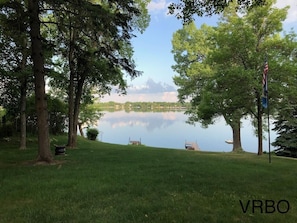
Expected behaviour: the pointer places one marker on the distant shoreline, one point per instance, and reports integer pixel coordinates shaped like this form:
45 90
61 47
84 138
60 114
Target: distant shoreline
142 106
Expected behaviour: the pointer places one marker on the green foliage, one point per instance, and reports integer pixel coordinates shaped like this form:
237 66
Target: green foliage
92 133
236 60
142 106
57 115
89 115
100 42
186 10
286 128
6 127
7 130
90 39
2 112
220 68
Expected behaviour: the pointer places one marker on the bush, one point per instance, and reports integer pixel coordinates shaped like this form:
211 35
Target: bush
57 111
92 133
6 130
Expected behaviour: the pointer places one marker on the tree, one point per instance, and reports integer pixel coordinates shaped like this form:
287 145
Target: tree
97 39
286 110
211 79
88 116
286 128
16 67
185 9
44 152
265 25
213 90
99 36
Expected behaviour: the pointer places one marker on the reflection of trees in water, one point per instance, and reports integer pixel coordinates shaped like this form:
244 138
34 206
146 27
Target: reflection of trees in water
150 120
170 130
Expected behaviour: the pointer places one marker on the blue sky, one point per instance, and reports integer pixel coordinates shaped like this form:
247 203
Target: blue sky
152 53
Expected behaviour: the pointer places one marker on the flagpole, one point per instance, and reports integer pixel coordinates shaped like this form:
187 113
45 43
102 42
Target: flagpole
265 100
268 114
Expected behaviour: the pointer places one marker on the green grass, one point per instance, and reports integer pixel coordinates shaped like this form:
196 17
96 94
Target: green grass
100 182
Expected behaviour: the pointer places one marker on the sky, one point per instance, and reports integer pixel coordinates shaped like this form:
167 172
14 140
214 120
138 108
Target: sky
152 53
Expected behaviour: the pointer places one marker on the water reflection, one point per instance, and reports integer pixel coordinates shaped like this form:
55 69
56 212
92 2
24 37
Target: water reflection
169 130
148 120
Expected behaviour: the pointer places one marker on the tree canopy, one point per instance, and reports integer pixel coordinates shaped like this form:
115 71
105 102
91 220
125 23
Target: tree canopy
220 68
187 9
78 44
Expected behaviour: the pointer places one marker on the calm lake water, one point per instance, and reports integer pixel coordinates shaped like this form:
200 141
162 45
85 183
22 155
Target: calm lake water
170 130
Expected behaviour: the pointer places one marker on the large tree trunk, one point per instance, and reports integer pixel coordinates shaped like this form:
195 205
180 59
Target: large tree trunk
24 83
71 87
78 95
260 123
80 128
44 152
236 137
23 113
70 109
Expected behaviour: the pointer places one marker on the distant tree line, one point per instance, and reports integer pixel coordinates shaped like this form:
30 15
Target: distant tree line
142 106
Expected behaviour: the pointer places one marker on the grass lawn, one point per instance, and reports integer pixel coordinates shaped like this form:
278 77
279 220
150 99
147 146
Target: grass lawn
100 182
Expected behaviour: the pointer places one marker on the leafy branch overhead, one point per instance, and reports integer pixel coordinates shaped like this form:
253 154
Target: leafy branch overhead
187 9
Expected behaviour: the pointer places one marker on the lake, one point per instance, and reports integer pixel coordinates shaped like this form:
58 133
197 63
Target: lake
170 130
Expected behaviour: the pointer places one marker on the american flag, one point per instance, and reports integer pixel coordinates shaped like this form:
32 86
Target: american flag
265 87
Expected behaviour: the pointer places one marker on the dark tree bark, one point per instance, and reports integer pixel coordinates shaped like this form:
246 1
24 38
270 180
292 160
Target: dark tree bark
44 152
236 137
24 85
70 106
23 113
71 130
78 95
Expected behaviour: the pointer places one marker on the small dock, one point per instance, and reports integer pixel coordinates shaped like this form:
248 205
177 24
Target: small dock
229 141
135 142
192 146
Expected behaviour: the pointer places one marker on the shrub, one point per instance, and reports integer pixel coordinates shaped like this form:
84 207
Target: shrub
92 133
6 130
57 111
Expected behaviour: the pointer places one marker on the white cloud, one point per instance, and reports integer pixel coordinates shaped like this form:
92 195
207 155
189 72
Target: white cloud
129 123
159 97
292 12
169 116
157 5
138 87
150 87
170 96
147 92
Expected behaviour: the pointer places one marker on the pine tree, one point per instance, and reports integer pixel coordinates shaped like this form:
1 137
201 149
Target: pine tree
286 128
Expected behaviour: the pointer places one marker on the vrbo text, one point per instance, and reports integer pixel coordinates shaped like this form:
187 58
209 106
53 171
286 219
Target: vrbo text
265 206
